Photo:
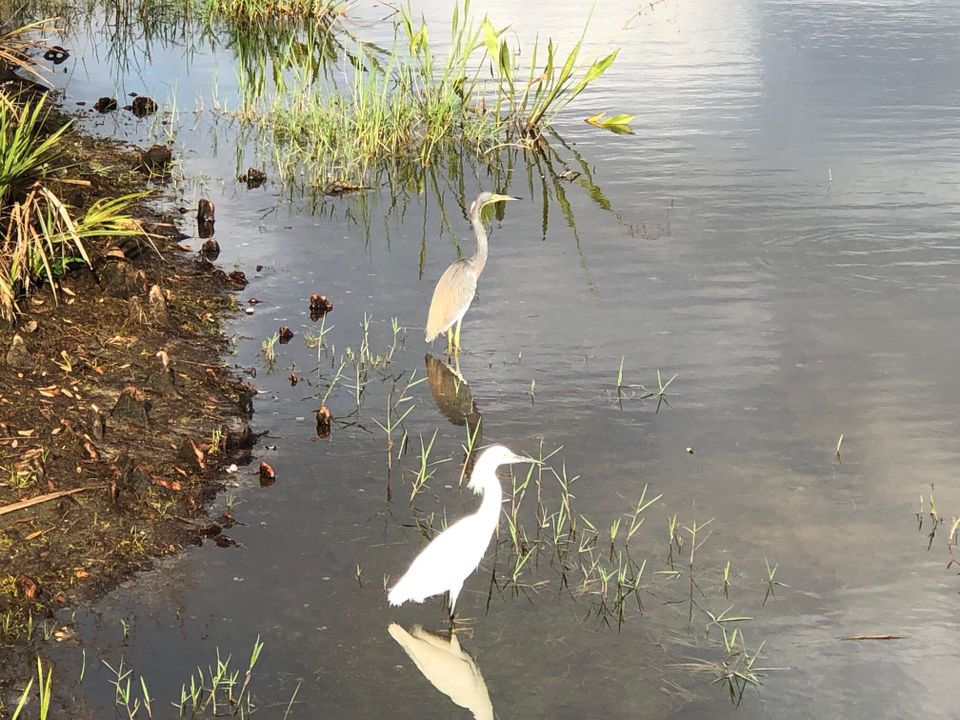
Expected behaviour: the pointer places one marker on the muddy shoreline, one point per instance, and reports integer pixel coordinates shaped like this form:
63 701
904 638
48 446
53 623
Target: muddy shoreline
118 417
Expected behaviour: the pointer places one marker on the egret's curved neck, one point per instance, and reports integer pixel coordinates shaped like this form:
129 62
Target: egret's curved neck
479 257
492 498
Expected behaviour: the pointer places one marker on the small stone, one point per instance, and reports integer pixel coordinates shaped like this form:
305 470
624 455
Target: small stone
238 278
284 334
18 357
249 310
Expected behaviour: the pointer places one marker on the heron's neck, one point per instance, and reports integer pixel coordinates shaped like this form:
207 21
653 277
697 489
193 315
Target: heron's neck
480 257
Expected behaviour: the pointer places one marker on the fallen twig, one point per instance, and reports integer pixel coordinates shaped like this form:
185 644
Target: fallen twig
13 507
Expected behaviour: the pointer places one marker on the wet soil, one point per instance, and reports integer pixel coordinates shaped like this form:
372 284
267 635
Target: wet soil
117 418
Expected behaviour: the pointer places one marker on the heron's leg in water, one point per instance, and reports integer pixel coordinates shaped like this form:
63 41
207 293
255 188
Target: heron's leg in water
456 340
450 341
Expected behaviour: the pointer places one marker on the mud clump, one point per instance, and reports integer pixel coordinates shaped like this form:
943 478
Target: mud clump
253 178
319 306
143 106
105 105
18 357
210 249
206 213
157 157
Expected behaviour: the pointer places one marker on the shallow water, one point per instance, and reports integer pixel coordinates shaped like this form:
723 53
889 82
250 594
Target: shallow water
780 233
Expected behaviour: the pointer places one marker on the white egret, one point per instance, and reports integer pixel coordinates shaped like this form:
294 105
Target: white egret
456 552
458 284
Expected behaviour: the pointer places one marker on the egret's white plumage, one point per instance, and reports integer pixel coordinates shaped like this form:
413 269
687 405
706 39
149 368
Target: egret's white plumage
458 284
456 552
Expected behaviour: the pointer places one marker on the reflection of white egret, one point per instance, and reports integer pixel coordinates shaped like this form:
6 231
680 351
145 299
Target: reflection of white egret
456 552
447 666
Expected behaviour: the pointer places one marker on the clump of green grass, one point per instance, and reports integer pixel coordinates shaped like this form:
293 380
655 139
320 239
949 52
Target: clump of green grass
258 11
43 236
410 111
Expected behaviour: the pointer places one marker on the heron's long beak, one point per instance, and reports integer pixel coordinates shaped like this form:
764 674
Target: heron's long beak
497 198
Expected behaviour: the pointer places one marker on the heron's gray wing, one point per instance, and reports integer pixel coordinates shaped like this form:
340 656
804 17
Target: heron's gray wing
451 297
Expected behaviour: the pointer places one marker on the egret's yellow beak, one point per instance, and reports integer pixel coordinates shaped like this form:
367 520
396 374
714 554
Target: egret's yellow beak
514 458
494 197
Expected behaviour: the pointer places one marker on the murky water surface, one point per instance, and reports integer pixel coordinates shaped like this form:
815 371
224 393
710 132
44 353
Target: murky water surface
780 233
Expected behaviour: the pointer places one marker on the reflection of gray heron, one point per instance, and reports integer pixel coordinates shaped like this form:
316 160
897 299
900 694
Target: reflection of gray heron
458 284
447 666
456 552
451 393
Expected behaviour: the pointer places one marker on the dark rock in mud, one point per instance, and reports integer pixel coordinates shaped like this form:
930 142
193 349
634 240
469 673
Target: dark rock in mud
284 335
132 406
210 249
157 312
157 157
18 357
253 178
238 278
143 106
105 105
121 280
205 229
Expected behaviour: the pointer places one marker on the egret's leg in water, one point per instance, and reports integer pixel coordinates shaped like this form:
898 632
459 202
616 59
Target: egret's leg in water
454 592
